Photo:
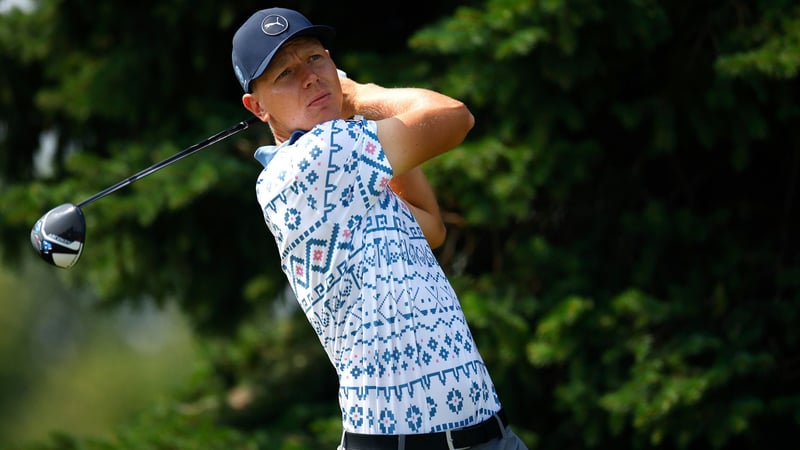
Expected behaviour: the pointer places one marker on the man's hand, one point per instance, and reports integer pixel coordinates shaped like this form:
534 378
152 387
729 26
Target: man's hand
349 88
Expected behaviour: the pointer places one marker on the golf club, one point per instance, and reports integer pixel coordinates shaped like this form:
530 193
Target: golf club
59 235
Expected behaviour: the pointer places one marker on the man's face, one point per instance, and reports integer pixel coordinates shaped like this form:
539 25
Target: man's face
300 87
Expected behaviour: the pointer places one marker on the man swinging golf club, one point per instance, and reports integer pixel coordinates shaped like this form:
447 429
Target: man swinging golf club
354 220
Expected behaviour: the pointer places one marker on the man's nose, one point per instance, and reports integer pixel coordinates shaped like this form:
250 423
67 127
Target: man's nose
309 75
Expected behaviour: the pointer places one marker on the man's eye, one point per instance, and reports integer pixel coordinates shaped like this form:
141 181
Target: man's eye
285 73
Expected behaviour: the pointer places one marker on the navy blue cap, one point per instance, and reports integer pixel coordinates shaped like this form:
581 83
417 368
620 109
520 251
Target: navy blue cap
263 34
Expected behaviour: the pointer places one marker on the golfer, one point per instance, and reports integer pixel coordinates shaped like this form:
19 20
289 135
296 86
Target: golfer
355 221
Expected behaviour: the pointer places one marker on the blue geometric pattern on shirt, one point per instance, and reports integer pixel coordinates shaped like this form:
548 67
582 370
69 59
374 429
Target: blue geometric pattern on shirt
396 359
414 418
370 286
468 370
387 421
323 249
317 257
454 400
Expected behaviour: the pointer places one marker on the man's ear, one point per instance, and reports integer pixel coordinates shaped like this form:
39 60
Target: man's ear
252 104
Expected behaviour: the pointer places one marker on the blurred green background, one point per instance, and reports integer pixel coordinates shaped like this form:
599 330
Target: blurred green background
66 366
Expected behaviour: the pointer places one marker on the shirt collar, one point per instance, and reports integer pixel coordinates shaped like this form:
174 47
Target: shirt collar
264 154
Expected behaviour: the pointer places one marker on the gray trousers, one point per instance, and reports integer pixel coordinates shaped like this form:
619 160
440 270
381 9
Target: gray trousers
509 441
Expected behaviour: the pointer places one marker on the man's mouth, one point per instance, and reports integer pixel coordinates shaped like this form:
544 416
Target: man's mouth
320 99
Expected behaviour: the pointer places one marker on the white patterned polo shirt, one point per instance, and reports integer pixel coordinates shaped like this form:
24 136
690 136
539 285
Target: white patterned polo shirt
370 286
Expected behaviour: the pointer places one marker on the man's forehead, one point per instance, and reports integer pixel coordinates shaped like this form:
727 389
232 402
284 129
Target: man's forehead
302 43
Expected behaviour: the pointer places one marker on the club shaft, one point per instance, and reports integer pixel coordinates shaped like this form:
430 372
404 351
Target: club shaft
180 155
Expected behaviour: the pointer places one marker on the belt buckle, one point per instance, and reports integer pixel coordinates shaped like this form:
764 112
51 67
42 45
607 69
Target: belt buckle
449 438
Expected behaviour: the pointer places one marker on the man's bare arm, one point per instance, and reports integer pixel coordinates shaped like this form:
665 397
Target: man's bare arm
414 124
414 189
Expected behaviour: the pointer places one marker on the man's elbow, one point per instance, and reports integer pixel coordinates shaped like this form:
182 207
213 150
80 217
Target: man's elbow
437 236
470 119
467 119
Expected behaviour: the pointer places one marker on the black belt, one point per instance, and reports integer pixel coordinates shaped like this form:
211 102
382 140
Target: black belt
471 436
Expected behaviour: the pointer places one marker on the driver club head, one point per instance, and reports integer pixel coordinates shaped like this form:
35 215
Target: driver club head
59 235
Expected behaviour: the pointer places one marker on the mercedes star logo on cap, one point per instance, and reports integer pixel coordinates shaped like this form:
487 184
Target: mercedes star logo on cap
274 25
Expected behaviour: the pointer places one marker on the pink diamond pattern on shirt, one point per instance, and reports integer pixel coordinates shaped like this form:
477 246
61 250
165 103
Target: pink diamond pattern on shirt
370 285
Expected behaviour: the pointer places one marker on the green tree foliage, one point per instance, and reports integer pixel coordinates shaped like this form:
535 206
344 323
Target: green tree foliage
642 162
621 219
